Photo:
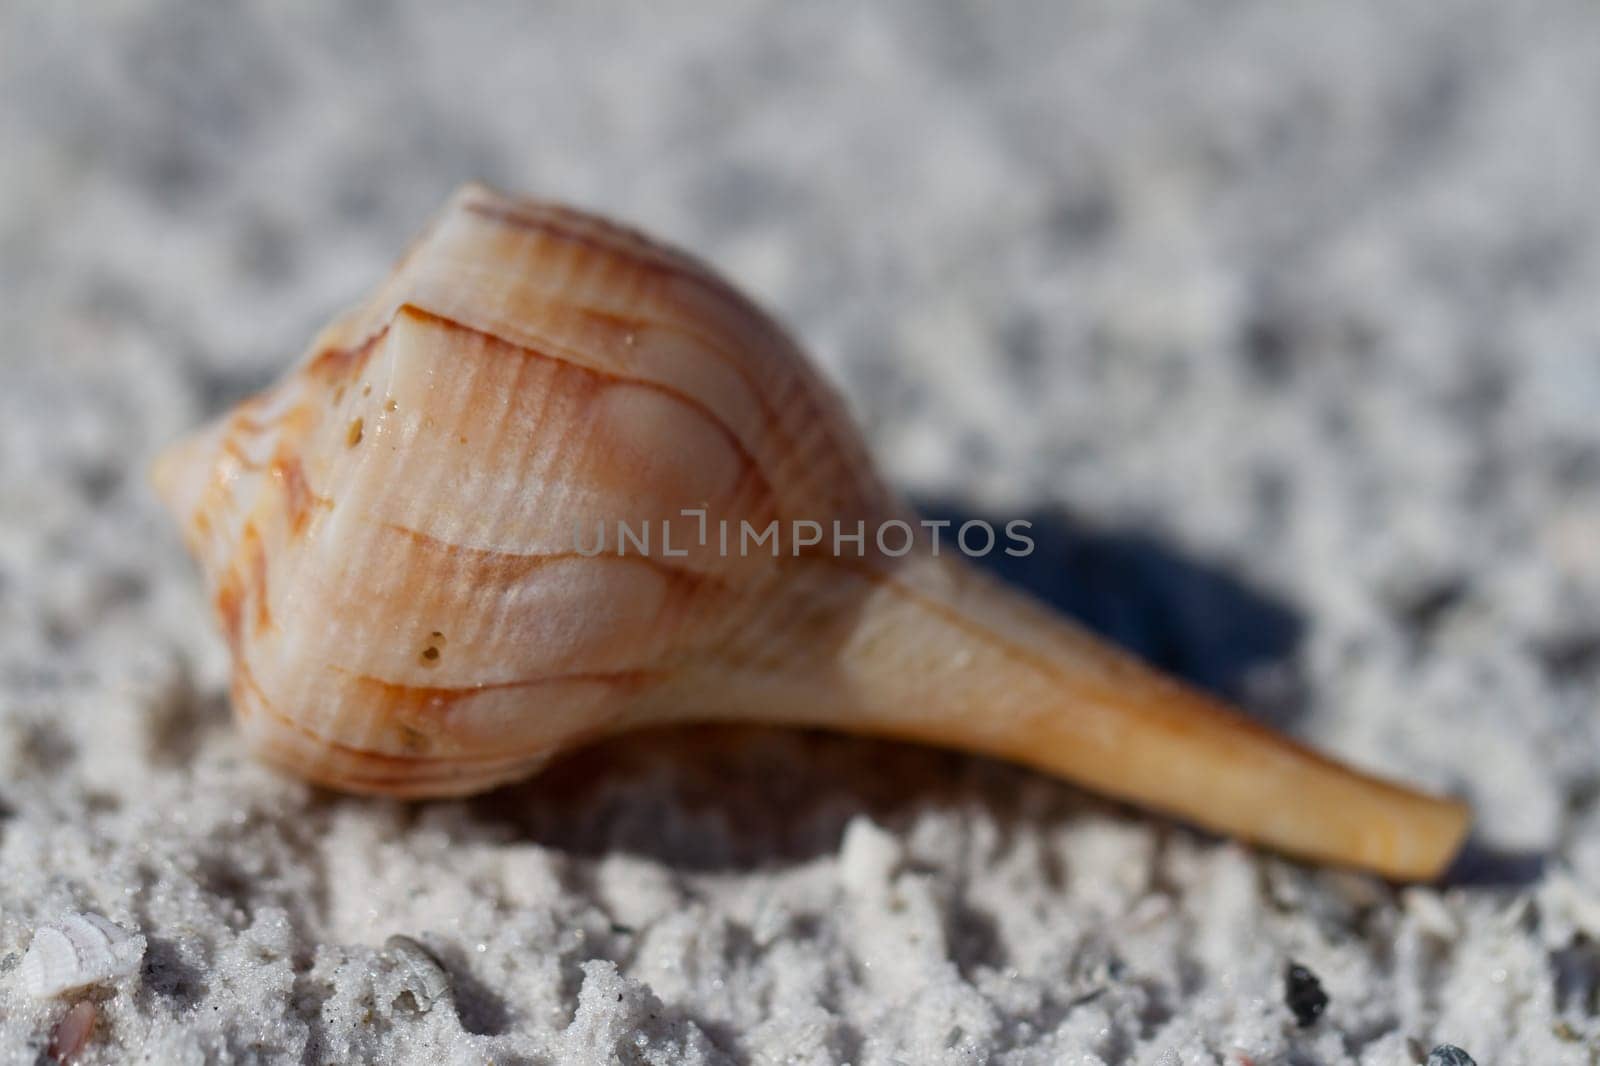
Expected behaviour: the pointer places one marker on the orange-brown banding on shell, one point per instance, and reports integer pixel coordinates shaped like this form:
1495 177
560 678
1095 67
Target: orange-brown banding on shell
420 775
406 701
233 589
254 426
495 340
795 391
245 683
621 242
625 326
299 500
438 700
229 605
256 552
330 360
492 567
235 451
562 224
296 419
343 364
606 238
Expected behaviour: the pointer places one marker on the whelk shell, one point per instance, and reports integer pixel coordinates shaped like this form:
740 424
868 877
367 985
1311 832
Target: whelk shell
391 537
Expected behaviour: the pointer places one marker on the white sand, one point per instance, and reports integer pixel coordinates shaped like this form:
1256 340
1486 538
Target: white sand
1290 310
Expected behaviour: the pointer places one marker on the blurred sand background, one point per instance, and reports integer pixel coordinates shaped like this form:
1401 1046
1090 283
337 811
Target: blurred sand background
1281 321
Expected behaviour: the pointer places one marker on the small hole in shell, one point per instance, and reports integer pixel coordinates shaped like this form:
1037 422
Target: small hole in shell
357 431
435 649
391 405
366 390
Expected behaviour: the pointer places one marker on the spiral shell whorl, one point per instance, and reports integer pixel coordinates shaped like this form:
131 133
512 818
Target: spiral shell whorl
390 533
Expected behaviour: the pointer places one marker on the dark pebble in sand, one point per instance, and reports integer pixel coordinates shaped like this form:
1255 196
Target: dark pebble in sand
1304 995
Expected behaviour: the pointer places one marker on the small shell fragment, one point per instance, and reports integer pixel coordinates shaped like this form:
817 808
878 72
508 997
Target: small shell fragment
421 973
1430 914
78 951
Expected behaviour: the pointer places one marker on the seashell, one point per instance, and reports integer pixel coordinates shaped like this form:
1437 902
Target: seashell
78 951
406 544
421 973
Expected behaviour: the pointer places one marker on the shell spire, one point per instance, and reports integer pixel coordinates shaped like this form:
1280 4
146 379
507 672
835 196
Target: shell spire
554 480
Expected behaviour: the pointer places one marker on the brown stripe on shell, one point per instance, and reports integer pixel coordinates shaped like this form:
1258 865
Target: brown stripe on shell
587 231
341 357
493 565
290 473
244 679
229 605
235 588
561 223
297 417
569 225
256 552
439 700
698 406
607 238
404 698
235 450
344 363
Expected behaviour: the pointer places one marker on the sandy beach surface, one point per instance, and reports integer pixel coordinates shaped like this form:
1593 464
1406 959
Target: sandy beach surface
1281 322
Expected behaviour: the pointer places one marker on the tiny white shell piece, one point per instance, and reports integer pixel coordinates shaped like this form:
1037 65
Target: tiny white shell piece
422 975
1430 913
78 951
